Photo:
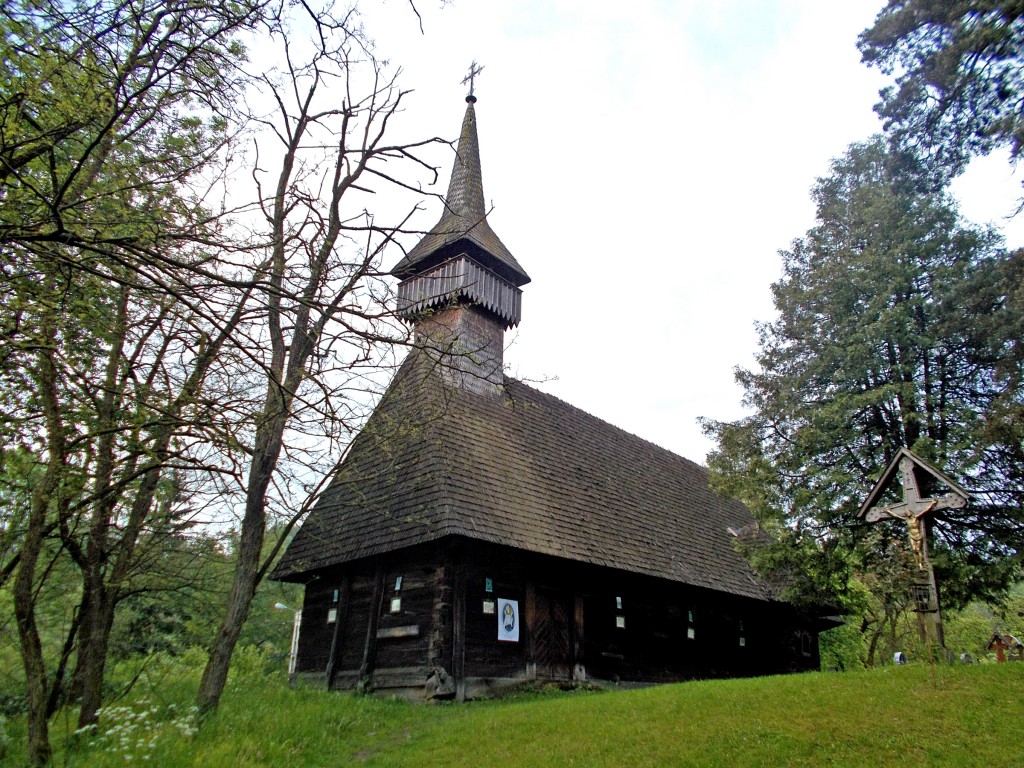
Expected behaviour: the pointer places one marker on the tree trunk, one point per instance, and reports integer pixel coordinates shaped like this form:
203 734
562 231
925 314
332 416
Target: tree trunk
28 635
301 311
250 547
92 650
24 584
285 374
243 587
57 686
97 605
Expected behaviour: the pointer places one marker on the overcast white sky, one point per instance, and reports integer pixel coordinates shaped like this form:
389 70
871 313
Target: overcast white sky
645 162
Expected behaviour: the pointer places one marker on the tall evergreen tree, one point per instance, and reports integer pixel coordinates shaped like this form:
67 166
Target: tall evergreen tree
898 325
959 68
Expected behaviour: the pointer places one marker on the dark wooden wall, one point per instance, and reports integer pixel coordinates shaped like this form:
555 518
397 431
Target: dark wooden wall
485 655
316 632
371 637
578 622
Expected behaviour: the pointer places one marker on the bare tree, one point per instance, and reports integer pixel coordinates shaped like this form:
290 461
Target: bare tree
328 322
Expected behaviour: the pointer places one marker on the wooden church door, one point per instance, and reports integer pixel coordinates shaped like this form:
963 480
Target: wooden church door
552 634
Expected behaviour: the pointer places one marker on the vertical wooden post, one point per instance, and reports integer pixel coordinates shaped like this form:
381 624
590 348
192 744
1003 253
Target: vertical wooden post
340 619
929 619
530 624
579 668
933 618
459 628
917 512
370 646
440 621
293 653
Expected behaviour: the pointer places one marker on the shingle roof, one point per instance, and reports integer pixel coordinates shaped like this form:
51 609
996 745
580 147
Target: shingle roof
464 220
523 469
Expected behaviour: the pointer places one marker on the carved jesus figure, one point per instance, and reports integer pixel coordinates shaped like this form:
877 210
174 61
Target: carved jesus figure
915 528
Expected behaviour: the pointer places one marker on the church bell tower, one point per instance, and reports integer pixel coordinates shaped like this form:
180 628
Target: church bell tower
460 285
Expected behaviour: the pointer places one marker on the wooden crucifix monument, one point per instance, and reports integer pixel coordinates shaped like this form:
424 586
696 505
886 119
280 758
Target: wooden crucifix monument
916 476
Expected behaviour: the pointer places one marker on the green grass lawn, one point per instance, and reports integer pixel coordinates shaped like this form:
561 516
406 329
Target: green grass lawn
900 716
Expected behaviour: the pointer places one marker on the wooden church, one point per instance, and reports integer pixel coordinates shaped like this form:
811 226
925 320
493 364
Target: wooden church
481 534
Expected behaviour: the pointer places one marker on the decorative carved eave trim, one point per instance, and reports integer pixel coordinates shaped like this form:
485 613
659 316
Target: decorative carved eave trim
457 279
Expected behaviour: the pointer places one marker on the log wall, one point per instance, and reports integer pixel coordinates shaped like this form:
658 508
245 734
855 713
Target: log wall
577 623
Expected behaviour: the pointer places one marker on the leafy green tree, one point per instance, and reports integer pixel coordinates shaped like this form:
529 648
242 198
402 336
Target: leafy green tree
959 68
108 113
969 631
176 601
164 357
895 328
1009 614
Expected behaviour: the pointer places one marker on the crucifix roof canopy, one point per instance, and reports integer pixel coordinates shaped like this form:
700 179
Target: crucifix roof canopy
923 471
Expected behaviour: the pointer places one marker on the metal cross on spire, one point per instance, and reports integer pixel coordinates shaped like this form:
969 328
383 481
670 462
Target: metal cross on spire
474 70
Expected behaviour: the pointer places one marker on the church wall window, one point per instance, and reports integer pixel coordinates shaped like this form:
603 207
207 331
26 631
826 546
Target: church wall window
396 599
332 611
489 604
805 643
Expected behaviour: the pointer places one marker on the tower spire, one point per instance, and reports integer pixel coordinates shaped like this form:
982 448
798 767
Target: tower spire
465 198
460 285
462 232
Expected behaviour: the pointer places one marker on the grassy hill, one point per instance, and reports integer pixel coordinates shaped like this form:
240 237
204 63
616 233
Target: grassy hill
906 716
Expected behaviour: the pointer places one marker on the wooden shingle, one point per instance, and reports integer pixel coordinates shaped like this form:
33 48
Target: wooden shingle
526 470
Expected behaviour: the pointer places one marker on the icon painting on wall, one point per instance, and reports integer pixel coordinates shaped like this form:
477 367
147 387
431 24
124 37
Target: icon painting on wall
508 620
